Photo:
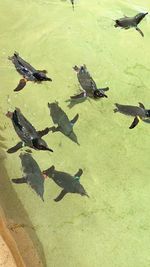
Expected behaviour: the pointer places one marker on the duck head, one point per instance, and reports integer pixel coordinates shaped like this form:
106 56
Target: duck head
147 112
40 144
117 23
41 76
139 17
98 93
81 69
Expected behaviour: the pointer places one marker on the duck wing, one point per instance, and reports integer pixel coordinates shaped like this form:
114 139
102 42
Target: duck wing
142 34
15 148
134 123
60 196
21 85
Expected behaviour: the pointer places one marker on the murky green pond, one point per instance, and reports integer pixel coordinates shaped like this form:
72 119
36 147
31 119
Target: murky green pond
112 227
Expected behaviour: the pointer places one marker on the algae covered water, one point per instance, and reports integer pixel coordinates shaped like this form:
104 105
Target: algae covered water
111 228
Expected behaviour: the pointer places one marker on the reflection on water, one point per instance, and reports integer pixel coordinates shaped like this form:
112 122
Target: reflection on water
111 228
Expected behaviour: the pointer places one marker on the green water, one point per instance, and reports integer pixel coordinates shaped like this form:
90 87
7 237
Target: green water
112 227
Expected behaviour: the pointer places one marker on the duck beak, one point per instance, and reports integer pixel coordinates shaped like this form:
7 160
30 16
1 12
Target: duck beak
48 79
85 194
105 96
49 149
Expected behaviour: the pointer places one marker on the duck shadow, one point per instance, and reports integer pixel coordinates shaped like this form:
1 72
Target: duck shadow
14 210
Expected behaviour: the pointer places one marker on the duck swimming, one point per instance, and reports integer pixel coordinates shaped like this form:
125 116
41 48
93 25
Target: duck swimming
131 22
138 112
27 133
27 71
89 87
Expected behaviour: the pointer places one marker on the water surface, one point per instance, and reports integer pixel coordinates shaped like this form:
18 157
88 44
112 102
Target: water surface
111 229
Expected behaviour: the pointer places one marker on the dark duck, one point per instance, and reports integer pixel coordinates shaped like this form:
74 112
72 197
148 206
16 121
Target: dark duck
27 133
72 2
131 22
88 85
28 72
138 112
60 118
69 183
32 175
